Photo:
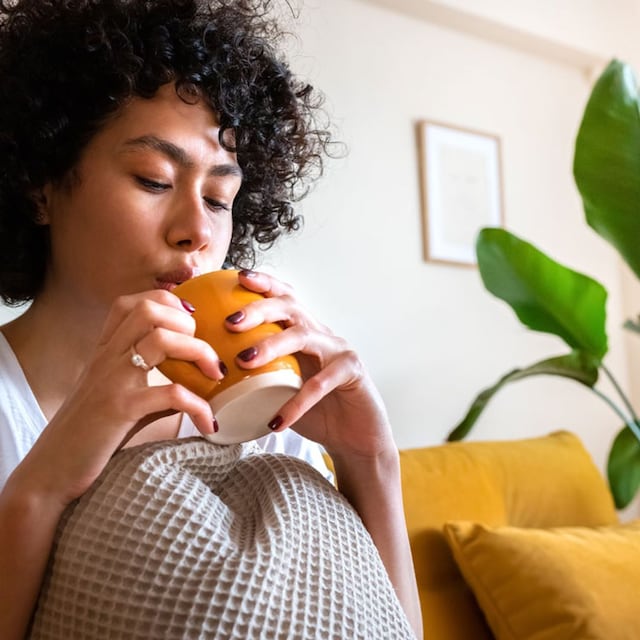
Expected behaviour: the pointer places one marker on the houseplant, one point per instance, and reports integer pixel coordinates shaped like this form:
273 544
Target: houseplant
547 296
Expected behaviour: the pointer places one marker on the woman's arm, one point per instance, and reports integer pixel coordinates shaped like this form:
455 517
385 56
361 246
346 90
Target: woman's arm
28 521
110 403
372 486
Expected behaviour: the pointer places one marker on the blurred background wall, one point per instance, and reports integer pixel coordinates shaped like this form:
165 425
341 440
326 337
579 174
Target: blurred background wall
430 334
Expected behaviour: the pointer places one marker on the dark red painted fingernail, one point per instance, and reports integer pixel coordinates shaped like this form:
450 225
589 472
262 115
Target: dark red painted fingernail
236 317
248 354
223 368
216 426
187 305
248 273
275 423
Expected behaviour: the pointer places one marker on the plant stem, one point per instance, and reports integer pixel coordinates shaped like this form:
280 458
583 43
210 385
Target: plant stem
621 393
632 424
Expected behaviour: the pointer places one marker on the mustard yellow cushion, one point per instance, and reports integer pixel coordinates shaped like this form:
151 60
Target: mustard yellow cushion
549 481
560 583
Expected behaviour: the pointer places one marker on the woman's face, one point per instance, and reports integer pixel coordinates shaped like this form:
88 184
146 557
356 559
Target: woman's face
148 207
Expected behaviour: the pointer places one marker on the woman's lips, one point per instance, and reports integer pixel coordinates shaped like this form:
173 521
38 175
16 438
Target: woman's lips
172 279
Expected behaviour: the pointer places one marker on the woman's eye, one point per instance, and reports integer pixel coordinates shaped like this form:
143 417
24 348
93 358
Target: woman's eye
152 185
215 205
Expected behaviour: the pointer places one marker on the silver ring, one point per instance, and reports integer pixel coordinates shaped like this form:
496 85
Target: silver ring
138 361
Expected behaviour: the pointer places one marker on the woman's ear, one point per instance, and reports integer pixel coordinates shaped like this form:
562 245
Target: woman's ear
40 198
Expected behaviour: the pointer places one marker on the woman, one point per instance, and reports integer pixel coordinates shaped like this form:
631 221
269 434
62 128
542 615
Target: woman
142 143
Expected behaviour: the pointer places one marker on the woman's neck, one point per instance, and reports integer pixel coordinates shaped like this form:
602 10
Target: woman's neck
52 342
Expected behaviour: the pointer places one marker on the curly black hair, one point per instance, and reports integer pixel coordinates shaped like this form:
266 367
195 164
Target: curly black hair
67 66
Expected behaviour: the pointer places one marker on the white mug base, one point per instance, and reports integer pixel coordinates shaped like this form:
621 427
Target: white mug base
244 410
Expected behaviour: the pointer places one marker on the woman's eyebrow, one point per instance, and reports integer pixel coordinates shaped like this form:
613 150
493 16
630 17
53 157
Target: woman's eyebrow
179 155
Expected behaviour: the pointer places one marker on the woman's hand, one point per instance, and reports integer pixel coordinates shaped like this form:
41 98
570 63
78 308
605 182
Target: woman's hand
112 400
338 405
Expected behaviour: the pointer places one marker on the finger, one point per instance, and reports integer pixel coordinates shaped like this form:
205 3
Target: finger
152 303
146 316
297 339
161 343
313 391
264 283
174 398
285 310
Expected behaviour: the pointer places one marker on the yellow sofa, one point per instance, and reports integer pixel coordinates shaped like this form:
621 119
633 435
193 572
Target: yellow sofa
517 488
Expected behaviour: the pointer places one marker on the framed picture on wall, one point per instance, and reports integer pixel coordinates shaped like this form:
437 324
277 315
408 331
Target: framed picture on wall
460 175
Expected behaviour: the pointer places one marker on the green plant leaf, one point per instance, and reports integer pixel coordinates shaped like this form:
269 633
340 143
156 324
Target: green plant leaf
545 295
606 164
623 467
577 365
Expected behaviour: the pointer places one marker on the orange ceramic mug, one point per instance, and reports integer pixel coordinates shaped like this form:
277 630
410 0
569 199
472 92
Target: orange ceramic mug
245 400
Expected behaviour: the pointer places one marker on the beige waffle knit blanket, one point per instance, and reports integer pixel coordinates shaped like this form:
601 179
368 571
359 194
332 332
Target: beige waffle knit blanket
187 539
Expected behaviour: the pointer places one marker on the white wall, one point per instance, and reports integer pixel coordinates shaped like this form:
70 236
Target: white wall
430 334
602 26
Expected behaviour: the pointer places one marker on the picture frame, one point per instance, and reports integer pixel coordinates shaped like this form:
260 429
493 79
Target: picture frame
461 190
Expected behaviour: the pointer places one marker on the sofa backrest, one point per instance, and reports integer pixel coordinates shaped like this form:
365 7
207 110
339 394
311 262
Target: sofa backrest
541 482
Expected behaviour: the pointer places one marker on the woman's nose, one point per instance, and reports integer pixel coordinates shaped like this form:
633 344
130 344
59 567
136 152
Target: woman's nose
190 226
